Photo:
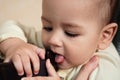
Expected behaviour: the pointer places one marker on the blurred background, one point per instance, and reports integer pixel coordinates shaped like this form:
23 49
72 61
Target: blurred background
27 12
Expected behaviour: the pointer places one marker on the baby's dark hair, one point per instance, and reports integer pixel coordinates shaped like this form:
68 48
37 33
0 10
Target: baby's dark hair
116 18
116 12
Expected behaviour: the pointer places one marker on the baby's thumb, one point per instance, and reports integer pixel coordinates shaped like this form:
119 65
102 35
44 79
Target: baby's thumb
50 68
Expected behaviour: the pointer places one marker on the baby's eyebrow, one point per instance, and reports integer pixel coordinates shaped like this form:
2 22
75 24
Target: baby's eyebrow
70 25
64 24
43 18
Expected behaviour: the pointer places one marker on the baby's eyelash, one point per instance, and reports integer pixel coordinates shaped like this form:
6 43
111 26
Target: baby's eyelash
71 34
47 29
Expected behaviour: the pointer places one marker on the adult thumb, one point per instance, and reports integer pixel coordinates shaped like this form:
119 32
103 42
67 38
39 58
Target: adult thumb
87 69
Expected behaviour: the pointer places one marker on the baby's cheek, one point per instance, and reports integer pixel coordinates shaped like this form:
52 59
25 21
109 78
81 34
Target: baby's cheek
77 59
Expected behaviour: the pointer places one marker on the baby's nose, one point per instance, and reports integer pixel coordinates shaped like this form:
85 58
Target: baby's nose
55 40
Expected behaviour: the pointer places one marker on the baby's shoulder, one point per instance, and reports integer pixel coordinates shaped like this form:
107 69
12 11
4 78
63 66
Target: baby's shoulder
109 65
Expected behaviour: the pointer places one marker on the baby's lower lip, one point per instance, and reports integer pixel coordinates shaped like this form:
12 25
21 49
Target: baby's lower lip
59 59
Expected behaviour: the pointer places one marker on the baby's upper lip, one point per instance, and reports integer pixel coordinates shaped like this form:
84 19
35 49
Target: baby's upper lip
55 52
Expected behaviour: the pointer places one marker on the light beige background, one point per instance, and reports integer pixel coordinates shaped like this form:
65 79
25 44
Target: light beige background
28 12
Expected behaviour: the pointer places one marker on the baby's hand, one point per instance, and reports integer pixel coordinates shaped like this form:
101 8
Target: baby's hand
51 71
23 55
83 74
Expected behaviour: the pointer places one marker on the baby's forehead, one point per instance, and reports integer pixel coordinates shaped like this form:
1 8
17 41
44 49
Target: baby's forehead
72 3
91 8
88 4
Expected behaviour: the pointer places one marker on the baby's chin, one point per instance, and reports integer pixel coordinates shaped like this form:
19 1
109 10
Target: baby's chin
65 65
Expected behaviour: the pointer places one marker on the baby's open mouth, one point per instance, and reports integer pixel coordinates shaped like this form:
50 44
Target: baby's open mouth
55 58
59 58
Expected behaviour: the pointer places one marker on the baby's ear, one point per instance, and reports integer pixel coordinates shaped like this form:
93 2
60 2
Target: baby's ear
107 35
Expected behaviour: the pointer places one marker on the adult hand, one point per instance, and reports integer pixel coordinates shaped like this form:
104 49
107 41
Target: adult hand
87 69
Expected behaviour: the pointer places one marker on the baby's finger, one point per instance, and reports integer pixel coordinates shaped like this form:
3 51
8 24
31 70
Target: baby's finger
40 52
7 60
51 71
35 59
18 64
35 62
50 68
26 64
88 68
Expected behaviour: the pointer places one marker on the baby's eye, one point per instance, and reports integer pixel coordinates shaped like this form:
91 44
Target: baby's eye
70 34
48 28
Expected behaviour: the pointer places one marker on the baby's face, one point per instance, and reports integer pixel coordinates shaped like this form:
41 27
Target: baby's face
71 30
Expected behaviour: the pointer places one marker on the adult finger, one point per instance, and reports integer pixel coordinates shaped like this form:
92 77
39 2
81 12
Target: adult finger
88 68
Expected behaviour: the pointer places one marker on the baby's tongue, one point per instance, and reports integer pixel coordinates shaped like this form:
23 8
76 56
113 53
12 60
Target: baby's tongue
59 58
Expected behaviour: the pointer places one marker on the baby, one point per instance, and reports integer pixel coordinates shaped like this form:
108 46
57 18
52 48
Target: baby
75 30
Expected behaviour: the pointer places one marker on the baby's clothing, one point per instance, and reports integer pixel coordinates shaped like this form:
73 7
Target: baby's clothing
109 64
108 69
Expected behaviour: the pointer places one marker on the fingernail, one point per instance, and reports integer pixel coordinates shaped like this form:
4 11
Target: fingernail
35 72
48 60
20 74
23 79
